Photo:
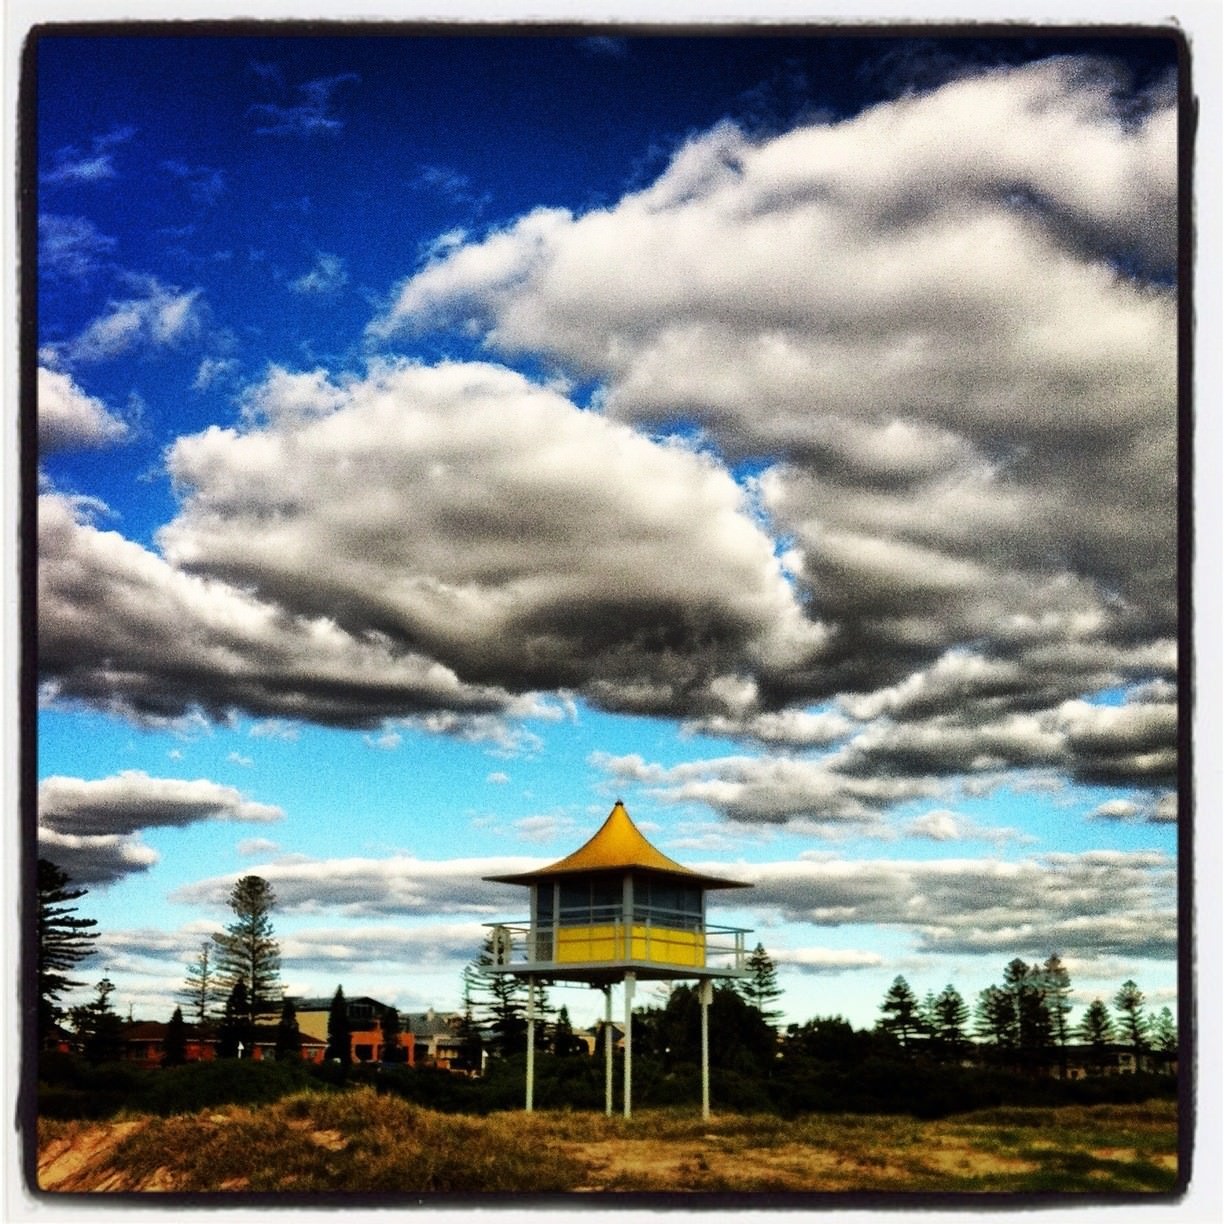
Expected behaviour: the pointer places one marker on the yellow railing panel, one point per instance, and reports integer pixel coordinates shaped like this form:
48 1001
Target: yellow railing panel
655 945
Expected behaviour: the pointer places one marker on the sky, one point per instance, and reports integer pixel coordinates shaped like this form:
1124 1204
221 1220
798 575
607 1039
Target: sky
442 437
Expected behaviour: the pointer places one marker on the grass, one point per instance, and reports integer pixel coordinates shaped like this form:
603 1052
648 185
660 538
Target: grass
359 1141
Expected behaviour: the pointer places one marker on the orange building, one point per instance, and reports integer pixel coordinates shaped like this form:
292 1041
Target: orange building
365 1028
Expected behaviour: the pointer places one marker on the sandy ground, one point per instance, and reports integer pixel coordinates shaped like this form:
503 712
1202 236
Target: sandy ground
81 1162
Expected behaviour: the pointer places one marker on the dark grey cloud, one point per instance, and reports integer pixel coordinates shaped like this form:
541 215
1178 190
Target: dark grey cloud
131 800
121 630
91 827
96 858
884 763
1121 745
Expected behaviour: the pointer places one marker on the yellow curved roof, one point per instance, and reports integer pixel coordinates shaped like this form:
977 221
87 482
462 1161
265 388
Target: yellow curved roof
617 845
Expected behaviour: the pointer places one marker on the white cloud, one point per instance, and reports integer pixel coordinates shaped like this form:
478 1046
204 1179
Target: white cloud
397 884
212 370
326 276
942 825
252 846
70 419
312 115
1097 903
793 728
773 789
825 960
74 165
70 248
161 317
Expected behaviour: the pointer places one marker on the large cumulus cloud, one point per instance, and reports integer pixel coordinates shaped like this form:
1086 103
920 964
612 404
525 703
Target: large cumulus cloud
946 320
483 521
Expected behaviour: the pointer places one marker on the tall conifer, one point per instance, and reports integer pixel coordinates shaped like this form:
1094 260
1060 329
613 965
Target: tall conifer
64 940
246 950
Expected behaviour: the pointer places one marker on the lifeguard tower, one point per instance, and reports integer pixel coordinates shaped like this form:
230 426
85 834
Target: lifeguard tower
618 910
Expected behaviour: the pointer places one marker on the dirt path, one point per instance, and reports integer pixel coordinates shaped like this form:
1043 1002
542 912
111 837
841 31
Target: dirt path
81 1160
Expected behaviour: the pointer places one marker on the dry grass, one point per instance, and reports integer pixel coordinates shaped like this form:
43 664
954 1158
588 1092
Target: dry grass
360 1142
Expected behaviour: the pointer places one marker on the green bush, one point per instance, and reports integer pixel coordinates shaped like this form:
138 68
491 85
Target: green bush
71 1088
227 1081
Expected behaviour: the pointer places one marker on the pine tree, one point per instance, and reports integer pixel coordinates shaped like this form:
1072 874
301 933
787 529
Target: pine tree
1128 1002
1023 984
1096 1029
504 1005
174 1044
201 992
339 1031
1163 1032
63 942
470 1044
949 1019
390 1024
246 950
563 1039
1056 988
995 1019
760 988
288 1034
234 1032
98 1025
901 1012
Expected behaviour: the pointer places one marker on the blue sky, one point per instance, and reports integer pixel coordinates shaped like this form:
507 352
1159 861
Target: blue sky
443 437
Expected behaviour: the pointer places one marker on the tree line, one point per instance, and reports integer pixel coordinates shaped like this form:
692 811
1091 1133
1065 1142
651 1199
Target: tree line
233 985
1025 1019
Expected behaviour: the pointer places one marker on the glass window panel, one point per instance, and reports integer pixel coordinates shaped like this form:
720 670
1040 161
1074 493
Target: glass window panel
575 903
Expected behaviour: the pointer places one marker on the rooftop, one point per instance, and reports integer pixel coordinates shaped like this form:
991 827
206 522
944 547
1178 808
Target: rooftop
617 845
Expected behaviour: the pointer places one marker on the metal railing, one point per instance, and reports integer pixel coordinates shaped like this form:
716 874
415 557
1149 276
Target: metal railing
517 945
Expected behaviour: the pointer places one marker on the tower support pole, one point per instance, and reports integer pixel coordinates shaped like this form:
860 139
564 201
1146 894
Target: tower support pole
630 979
608 1049
531 995
705 995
